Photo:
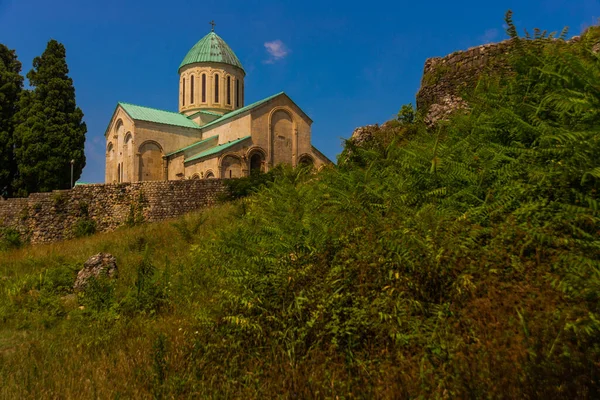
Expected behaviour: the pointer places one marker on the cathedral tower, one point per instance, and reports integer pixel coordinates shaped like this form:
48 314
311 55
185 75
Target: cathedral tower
211 78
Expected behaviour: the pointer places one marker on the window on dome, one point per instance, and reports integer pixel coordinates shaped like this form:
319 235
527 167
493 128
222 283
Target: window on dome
216 88
237 93
228 90
192 90
204 88
183 93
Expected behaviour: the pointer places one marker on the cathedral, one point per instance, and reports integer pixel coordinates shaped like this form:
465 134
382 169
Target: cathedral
214 134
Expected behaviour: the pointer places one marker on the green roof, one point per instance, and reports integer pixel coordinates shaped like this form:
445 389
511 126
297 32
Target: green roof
159 116
193 145
240 110
211 48
217 149
205 112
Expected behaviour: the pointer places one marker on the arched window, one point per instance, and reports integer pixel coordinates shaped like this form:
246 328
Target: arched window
228 90
110 152
204 88
183 94
306 161
192 90
119 129
216 88
237 93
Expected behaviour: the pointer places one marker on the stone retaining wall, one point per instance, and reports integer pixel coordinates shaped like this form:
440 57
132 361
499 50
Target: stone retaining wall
48 217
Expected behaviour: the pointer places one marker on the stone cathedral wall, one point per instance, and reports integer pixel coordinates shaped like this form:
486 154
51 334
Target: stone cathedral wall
53 216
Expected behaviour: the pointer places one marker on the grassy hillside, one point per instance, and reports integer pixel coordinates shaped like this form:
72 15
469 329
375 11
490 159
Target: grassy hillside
462 262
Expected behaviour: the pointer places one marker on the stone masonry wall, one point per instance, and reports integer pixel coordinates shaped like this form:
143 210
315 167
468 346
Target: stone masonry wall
444 78
48 217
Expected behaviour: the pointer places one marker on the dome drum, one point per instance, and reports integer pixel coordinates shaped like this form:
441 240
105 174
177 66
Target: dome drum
211 78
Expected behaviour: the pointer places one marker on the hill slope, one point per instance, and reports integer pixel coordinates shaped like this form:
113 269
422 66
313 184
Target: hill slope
459 262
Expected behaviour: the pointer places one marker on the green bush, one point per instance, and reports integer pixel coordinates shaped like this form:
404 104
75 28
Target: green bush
150 292
10 238
412 247
245 186
84 227
99 294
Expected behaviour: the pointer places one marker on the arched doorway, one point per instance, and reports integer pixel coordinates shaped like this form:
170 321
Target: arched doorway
231 167
150 162
209 175
282 128
256 162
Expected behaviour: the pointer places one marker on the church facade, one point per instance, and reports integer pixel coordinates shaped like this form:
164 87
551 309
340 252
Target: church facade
214 134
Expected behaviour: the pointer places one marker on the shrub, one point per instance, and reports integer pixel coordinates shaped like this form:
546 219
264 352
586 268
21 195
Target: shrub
10 238
150 292
84 227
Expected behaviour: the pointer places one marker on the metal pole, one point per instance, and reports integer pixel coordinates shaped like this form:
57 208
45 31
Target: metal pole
72 162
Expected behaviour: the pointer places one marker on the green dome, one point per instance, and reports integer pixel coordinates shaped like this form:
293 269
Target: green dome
211 48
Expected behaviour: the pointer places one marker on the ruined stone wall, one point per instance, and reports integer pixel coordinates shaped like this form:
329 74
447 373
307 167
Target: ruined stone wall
48 217
445 78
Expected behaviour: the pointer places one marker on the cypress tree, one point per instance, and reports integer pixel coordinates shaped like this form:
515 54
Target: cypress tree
51 132
11 85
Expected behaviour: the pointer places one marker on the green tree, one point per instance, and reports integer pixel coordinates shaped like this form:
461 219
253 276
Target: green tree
50 131
407 114
11 85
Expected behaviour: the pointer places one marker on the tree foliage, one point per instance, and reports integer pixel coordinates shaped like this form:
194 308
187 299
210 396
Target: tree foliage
50 131
11 84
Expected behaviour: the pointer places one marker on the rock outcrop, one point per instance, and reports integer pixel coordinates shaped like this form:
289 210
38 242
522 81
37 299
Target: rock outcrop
101 264
363 134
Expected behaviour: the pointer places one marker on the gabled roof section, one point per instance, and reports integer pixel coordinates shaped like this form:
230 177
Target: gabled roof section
241 110
217 149
141 113
191 146
205 112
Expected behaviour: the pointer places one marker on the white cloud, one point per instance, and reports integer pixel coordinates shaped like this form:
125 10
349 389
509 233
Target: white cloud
489 36
277 51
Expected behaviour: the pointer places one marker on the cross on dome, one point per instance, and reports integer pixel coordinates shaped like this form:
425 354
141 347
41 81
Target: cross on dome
213 25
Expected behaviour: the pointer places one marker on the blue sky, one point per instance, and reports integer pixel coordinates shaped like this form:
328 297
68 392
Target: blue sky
346 63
